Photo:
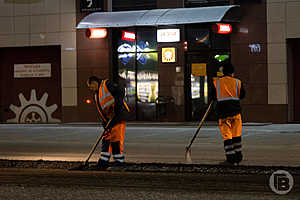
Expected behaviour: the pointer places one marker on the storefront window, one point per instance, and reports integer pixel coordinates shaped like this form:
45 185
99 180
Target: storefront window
137 63
147 78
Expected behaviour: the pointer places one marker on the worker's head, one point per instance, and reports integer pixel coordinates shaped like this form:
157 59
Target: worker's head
93 83
228 69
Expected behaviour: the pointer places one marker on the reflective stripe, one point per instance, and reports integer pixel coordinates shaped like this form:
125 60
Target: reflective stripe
118 156
104 94
237 87
230 152
219 98
218 88
104 158
120 160
238 150
108 103
228 98
237 144
105 154
228 147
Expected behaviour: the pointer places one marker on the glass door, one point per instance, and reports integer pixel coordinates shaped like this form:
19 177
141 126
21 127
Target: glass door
201 68
137 63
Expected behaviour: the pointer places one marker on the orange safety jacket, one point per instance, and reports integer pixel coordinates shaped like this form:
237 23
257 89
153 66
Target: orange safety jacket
106 103
228 88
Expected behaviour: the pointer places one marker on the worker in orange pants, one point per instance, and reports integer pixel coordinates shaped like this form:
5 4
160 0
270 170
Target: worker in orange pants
227 92
113 110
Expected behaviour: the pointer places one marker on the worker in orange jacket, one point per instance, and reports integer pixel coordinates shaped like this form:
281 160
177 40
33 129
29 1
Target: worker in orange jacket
227 92
113 110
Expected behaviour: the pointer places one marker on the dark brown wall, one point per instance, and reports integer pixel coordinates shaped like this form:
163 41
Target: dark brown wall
11 87
171 83
93 58
170 4
252 68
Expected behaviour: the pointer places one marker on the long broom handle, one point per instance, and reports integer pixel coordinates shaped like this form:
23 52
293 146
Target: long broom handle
94 147
96 144
200 125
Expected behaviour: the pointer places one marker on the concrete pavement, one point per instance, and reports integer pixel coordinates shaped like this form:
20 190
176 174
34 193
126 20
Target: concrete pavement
277 144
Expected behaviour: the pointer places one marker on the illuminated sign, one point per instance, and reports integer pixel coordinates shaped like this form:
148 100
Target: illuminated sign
255 48
199 69
130 36
168 55
168 35
96 33
222 28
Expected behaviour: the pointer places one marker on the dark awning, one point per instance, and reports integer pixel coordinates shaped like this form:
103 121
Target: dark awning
158 17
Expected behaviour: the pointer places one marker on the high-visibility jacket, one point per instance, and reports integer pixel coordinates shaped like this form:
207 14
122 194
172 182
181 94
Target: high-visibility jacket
227 91
228 88
110 106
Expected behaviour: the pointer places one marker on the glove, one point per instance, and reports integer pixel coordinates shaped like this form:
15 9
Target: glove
106 133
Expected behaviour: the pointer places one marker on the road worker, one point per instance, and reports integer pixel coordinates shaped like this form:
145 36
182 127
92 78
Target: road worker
227 92
113 110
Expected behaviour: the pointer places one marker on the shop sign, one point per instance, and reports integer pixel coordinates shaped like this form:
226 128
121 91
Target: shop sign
222 28
96 33
255 48
169 55
42 70
91 5
168 35
129 36
199 69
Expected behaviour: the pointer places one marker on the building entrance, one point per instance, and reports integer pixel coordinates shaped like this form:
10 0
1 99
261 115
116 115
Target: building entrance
200 69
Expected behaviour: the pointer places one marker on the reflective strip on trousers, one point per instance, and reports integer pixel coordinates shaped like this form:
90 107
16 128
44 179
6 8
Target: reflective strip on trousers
238 150
228 147
118 156
104 158
230 152
237 144
105 154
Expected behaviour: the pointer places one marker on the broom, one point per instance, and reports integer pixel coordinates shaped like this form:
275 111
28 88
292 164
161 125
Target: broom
188 153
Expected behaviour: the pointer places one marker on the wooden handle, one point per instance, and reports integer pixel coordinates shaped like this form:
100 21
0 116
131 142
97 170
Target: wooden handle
200 125
94 147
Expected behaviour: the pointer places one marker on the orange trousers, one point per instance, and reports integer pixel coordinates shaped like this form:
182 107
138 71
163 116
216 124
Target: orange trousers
117 135
231 127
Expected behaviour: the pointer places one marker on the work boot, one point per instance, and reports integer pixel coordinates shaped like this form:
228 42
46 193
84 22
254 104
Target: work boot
116 166
102 165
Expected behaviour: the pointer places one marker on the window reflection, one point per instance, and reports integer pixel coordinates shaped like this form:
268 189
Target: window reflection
147 78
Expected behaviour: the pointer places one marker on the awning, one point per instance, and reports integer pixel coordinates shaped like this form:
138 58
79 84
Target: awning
158 17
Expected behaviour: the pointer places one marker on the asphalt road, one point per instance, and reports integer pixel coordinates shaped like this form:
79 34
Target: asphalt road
31 184
263 145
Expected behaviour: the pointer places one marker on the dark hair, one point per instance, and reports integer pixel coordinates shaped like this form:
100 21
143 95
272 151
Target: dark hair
228 68
93 78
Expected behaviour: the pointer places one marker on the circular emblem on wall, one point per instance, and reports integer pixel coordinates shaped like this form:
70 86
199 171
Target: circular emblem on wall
33 110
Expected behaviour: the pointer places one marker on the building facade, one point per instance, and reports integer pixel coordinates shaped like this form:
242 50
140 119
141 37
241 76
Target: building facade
166 80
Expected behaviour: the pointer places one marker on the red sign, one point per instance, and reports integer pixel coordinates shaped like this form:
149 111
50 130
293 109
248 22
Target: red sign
96 33
222 28
130 36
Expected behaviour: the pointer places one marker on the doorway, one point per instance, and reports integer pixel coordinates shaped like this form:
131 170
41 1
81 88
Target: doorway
201 67
294 81
137 60
30 80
